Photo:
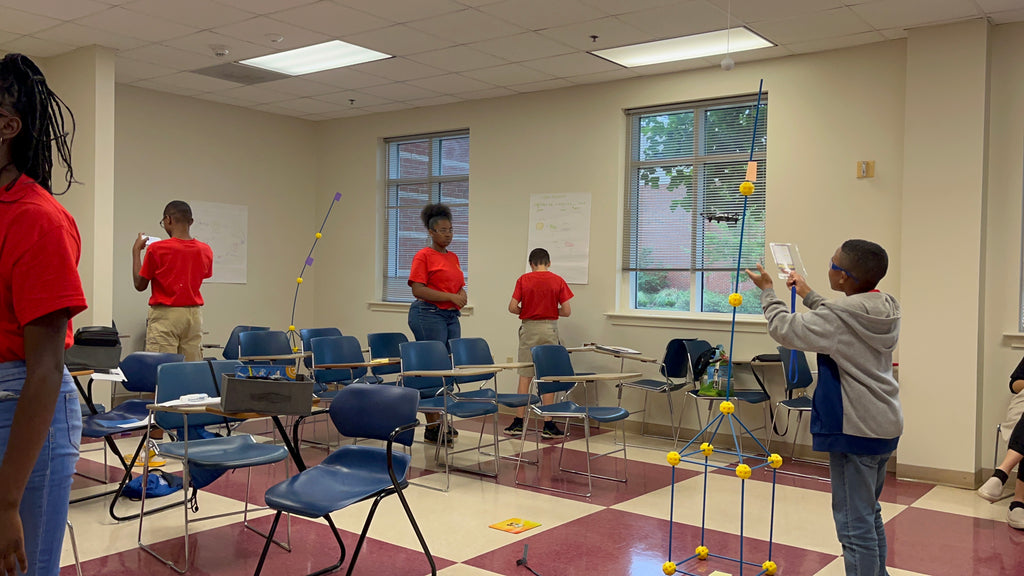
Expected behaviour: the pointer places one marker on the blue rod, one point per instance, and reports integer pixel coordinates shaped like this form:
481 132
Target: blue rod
672 509
771 521
311 248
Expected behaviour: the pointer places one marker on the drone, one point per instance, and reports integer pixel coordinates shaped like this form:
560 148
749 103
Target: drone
716 216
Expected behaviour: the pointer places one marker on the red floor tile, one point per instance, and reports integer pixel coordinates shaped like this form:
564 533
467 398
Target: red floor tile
932 542
622 543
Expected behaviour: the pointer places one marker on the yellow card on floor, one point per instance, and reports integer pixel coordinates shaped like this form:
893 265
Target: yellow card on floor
515 525
719 573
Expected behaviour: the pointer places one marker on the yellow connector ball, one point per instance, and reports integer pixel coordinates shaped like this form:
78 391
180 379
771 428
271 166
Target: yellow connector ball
707 449
291 328
319 235
769 567
735 299
747 188
702 552
299 279
295 350
775 460
727 407
743 471
673 458
669 568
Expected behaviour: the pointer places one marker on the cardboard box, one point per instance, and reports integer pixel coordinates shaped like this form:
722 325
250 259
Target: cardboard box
271 397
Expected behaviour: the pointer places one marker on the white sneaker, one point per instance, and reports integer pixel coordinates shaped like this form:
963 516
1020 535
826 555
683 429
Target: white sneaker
991 490
1015 518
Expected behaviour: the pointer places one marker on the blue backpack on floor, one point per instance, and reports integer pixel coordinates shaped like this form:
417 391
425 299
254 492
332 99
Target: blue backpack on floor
159 483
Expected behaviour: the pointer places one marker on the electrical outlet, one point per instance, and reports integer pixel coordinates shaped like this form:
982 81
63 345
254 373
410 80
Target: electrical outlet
866 169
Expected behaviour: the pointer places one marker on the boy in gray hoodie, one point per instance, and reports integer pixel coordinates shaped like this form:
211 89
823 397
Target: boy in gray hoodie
856 415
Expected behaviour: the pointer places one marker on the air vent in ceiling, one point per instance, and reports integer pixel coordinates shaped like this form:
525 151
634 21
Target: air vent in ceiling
240 73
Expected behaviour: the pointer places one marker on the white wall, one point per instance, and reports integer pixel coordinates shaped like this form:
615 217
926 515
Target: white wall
174 148
826 112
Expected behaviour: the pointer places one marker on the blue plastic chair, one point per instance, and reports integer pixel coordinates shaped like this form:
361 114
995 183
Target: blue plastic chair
354 473
337 350
673 378
307 335
475 352
439 395
224 453
385 345
230 349
264 343
796 394
553 361
139 369
694 349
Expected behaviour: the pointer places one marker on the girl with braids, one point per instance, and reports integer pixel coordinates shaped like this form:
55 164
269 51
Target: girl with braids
439 287
40 291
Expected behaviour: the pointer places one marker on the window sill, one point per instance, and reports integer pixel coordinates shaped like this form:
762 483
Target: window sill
747 323
403 307
1016 339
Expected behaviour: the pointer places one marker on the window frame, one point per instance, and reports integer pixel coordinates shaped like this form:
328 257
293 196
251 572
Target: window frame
699 160
390 243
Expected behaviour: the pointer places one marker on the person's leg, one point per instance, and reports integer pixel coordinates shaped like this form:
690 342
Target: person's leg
160 330
992 489
1015 516
44 505
190 343
857 514
426 323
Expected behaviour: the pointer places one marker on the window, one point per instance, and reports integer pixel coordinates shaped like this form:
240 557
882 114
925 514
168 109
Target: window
685 167
423 170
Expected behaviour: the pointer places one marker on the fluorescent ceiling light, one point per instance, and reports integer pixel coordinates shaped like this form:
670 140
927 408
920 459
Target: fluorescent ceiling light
333 54
684 48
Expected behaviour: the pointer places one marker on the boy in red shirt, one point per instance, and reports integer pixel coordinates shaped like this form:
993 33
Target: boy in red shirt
176 267
540 297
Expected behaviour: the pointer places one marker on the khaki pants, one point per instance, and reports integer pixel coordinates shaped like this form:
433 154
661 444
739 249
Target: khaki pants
175 329
535 333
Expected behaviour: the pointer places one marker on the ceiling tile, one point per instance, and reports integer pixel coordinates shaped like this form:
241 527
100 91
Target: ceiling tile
754 55
398 40
331 19
404 10
308 105
837 22
758 10
571 65
262 31
490 93
457 59
398 69
681 19
201 14
299 86
136 25
391 107
610 32
205 41
190 81
264 6
1007 16
78 35
171 57
361 99
59 9
257 93
522 47
541 14
835 43
218 97
345 113
990 6
910 13
346 78
451 84
279 110
436 100
540 86
7 36
509 75
23 23
609 76
169 88
894 33
399 91
127 71
477 3
466 26
36 47
619 7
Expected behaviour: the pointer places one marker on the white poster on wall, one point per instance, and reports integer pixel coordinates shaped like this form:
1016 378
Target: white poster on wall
560 223
224 227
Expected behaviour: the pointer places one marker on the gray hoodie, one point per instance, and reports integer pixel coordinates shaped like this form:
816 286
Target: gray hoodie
856 406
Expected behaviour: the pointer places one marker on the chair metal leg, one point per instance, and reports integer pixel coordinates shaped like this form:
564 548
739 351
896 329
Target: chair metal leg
416 529
74 548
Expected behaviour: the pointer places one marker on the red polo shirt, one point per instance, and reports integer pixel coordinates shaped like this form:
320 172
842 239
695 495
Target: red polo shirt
438 271
539 294
39 252
176 269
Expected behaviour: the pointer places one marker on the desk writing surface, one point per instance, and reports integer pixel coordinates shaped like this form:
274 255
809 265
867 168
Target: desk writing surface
608 352
611 376
498 365
451 372
295 356
366 364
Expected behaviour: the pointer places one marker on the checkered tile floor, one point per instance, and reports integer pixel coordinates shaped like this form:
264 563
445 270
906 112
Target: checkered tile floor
622 529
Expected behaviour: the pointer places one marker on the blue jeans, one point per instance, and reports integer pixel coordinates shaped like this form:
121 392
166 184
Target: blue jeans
44 505
428 322
856 485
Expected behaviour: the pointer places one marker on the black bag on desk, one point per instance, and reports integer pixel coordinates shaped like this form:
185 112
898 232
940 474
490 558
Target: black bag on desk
95 348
